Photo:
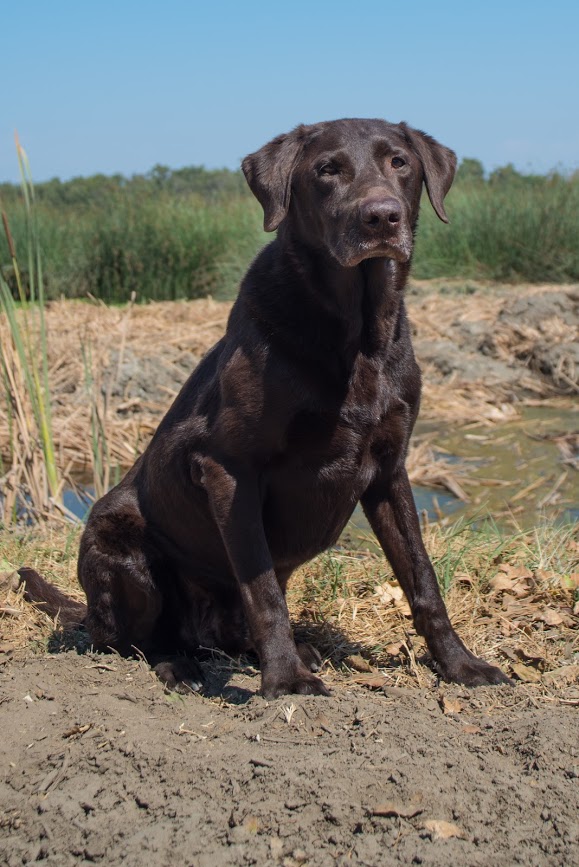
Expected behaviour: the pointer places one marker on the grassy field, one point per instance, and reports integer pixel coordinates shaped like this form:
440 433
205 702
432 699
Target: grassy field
191 233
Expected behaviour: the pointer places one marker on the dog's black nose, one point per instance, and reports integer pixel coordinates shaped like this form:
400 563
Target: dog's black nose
376 212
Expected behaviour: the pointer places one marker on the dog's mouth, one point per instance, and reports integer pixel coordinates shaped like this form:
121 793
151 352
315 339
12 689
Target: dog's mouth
351 254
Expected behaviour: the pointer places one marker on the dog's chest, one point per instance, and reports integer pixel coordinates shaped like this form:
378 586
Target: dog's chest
331 457
345 441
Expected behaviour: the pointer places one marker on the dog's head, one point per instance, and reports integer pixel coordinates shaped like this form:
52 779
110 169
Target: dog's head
351 187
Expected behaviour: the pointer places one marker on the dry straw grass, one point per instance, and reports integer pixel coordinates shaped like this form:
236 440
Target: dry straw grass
114 371
513 599
88 347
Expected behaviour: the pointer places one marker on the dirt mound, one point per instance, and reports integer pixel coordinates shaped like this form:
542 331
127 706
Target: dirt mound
101 766
521 341
541 332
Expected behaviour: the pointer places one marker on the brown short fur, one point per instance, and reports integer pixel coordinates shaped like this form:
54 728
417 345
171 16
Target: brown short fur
303 409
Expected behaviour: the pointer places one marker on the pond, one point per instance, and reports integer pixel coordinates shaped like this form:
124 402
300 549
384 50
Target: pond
518 473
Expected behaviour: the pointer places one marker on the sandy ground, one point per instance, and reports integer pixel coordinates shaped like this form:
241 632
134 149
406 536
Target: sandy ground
100 765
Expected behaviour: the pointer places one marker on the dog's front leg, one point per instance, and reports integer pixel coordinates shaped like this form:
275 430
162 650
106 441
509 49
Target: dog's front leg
236 507
389 506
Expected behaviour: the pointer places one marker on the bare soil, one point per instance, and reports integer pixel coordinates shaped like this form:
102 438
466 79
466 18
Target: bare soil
100 765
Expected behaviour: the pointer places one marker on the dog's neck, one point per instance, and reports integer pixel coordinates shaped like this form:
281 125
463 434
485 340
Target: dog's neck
321 310
365 301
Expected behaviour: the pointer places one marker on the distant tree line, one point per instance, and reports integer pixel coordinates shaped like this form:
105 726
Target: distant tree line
212 184
99 189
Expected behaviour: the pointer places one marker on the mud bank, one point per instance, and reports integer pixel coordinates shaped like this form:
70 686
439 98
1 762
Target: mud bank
99 765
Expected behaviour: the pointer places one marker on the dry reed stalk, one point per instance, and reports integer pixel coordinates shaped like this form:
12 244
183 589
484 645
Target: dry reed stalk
25 484
434 470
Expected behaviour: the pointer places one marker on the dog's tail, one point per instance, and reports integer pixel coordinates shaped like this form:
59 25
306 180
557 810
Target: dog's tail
50 599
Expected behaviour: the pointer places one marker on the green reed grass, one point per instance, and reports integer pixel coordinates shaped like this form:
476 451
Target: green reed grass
509 231
24 365
161 247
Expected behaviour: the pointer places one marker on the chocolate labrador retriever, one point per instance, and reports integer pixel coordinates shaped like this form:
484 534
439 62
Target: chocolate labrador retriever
303 409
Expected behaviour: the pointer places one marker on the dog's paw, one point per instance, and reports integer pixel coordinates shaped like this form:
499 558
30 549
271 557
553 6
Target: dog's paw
472 671
180 674
296 682
309 655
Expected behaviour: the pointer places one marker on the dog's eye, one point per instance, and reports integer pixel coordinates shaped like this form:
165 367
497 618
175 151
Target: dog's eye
328 169
397 162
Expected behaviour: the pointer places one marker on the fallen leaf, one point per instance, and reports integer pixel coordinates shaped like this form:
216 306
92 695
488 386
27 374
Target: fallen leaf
515 572
576 609
521 589
10 579
463 578
449 705
545 575
534 659
358 663
572 580
403 607
509 653
525 673
388 593
8 646
518 610
471 730
501 584
394 808
438 829
394 649
370 681
562 676
392 594
550 617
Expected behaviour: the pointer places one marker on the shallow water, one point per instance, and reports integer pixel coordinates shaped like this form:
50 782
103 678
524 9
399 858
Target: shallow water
516 473
427 500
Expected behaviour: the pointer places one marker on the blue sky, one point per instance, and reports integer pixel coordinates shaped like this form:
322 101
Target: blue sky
119 86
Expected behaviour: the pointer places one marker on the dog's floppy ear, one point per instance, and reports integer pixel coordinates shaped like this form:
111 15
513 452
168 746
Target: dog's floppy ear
269 174
438 163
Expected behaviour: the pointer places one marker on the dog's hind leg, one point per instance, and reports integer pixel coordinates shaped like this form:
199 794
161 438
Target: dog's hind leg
126 610
115 571
123 605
